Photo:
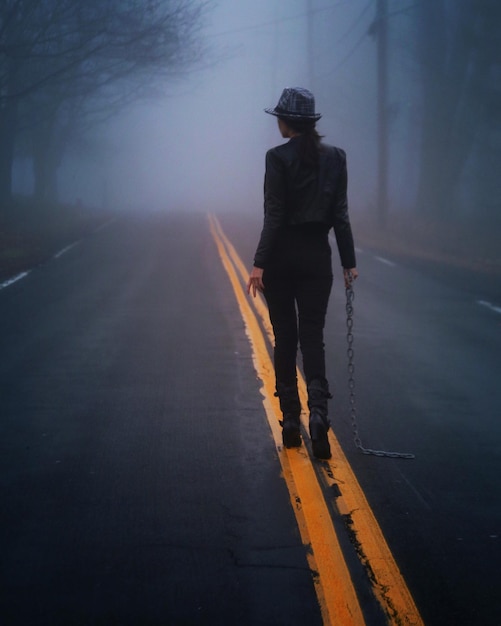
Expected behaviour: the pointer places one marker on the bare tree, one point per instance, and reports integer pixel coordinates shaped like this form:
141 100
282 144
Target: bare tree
62 59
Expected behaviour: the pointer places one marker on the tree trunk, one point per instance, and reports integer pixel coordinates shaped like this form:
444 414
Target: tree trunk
454 75
431 196
45 163
8 133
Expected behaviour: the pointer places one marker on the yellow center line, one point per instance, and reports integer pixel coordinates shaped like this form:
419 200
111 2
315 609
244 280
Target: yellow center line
337 598
388 583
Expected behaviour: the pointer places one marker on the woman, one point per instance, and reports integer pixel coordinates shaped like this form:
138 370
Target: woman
305 194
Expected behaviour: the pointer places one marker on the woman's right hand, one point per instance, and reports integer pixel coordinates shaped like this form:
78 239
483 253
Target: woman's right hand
255 281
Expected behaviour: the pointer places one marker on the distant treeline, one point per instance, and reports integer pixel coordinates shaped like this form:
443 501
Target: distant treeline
67 65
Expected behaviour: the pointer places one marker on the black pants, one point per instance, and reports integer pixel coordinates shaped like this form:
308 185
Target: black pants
298 281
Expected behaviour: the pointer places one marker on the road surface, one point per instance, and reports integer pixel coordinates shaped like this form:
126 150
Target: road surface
142 483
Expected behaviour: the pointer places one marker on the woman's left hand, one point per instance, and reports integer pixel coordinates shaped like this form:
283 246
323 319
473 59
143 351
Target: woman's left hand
350 274
255 281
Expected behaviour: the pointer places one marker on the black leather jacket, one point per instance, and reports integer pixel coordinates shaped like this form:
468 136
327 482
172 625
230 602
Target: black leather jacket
294 195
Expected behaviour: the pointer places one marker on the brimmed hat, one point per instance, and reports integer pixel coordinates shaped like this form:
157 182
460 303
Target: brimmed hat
296 103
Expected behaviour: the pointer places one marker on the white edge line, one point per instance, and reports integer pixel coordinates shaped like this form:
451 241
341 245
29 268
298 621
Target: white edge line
64 250
14 279
488 305
105 224
72 245
385 261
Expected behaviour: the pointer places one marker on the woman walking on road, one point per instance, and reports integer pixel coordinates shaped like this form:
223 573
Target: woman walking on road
305 195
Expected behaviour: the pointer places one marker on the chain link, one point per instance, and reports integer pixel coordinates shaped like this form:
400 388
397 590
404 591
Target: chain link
350 296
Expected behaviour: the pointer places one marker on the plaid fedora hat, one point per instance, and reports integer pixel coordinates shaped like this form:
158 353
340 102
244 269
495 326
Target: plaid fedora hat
296 103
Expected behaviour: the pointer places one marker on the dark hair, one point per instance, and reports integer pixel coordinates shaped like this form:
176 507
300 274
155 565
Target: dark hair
311 141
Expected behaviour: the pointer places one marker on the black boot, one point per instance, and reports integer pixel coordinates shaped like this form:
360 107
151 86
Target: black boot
290 406
318 394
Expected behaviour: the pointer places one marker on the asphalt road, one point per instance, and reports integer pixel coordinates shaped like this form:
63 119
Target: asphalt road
140 482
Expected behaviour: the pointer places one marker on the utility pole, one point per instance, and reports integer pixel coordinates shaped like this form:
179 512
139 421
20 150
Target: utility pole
310 46
382 108
275 52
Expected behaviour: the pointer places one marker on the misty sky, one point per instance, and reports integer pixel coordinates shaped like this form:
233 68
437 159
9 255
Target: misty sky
203 146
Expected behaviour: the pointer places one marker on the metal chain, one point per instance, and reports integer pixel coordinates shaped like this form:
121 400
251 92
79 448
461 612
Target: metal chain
350 296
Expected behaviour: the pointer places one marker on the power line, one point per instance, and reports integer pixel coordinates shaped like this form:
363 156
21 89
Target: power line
281 20
347 55
405 9
364 35
356 22
353 26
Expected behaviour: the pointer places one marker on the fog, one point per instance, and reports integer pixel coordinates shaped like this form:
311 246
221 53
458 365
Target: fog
202 146
431 96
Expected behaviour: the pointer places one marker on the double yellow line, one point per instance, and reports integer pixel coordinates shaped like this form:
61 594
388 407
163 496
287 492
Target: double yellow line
333 584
